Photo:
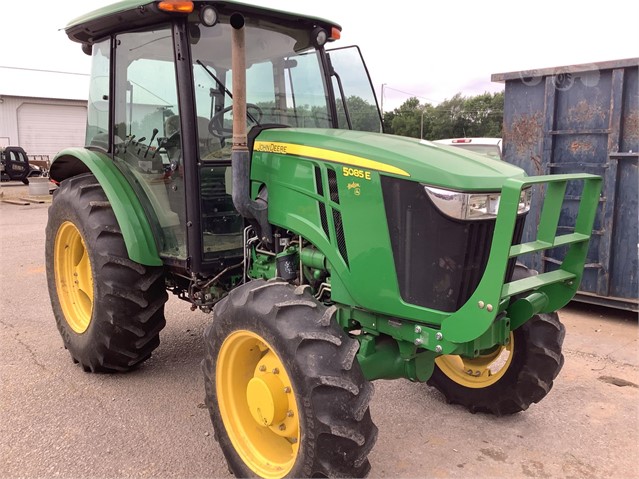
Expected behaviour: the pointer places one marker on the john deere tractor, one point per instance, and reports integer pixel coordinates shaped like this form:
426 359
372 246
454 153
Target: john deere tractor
235 160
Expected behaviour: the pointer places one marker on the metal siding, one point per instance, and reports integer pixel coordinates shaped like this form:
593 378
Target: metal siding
523 143
587 124
9 120
45 129
630 118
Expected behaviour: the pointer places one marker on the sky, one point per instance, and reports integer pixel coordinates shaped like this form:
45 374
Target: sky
429 50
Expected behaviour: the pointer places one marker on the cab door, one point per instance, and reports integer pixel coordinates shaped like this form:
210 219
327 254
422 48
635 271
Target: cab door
355 99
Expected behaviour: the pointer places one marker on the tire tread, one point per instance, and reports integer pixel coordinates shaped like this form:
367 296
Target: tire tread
129 297
321 358
537 360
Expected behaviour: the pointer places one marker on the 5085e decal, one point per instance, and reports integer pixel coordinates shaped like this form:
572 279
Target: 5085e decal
358 164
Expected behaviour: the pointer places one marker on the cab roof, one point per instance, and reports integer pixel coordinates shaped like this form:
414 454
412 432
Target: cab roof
128 14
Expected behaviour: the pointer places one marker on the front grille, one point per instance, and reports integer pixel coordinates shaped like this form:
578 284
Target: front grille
439 260
318 181
322 207
332 185
339 235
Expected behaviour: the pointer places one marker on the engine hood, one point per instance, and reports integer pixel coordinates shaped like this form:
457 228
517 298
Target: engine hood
417 160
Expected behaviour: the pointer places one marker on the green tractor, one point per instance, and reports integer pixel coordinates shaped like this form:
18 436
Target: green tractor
235 160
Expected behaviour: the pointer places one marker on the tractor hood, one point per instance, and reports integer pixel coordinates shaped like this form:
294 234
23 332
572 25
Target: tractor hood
417 160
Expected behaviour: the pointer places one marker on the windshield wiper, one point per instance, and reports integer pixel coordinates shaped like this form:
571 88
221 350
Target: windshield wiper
223 88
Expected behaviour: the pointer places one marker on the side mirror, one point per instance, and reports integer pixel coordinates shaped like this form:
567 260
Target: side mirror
290 64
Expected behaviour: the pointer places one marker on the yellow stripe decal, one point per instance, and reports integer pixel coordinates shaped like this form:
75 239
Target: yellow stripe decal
327 155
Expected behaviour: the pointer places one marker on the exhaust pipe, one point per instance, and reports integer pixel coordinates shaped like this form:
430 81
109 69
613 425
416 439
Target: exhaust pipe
240 158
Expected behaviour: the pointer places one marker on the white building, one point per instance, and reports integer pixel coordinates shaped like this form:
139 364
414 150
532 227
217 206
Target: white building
42 111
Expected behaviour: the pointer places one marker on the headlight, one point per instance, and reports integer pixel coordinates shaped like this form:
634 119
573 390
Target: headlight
472 206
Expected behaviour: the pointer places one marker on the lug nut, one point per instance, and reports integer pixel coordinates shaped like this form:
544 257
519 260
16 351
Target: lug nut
439 336
287 390
418 329
282 427
276 371
262 368
438 349
289 413
418 342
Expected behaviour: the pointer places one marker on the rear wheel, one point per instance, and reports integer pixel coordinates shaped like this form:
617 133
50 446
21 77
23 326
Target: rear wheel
512 377
286 395
108 309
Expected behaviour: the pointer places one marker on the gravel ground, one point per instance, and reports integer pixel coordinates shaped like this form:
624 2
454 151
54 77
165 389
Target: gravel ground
57 421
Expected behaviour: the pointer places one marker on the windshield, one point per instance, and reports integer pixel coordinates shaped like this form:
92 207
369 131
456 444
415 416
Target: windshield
284 81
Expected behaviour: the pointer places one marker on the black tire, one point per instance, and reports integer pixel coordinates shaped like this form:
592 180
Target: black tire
332 396
123 300
527 378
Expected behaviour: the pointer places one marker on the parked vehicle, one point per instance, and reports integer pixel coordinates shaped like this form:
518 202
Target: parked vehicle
486 146
329 257
583 118
15 166
41 163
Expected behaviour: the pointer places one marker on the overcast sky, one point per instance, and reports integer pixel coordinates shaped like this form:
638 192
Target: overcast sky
431 50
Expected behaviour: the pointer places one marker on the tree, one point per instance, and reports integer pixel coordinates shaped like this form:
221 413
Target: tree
410 119
459 116
485 114
364 116
449 119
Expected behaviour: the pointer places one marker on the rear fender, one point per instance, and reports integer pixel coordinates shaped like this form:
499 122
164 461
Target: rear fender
134 224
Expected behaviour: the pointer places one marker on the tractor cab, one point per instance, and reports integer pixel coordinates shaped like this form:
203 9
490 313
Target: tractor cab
169 127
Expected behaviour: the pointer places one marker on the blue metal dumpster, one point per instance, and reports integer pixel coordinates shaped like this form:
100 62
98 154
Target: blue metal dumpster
583 118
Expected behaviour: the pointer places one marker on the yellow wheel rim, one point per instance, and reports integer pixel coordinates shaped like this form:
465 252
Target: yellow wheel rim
73 277
257 404
479 372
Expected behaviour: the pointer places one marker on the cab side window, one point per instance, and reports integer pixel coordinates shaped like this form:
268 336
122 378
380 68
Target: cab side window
146 130
98 107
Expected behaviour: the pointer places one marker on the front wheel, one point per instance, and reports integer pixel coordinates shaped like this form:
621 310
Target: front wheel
509 379
286 395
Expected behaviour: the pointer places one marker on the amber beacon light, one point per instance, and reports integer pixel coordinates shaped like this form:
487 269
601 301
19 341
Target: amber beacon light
176 6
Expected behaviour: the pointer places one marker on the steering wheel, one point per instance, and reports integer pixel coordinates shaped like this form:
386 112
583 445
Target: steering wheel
216 125
171 141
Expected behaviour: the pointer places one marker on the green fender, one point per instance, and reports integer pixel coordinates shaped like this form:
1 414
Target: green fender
135 227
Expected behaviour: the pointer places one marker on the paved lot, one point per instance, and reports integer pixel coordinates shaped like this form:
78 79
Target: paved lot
56 421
